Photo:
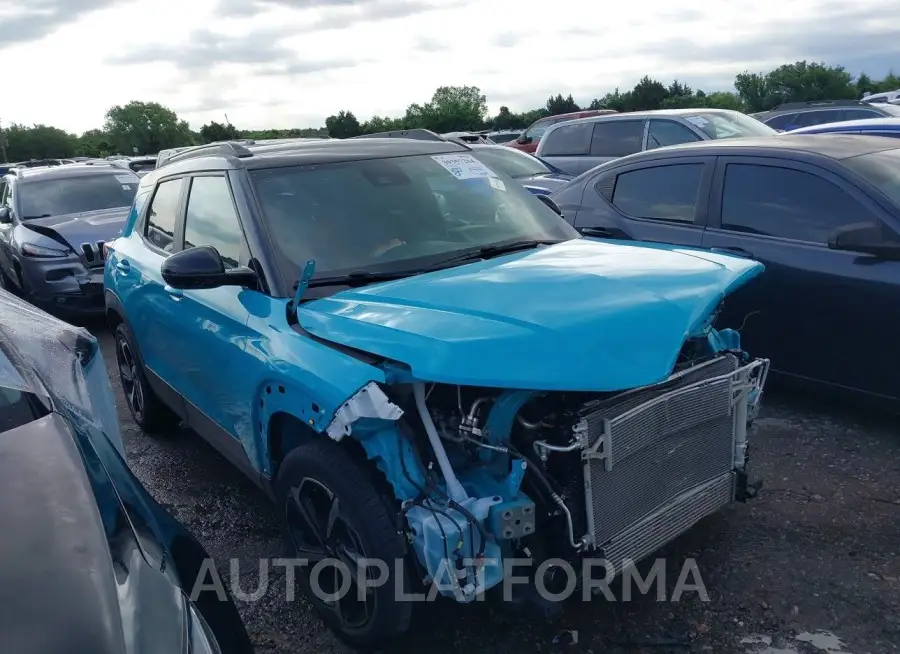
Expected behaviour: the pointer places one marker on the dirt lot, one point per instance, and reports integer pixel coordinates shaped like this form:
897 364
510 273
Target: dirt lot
819 550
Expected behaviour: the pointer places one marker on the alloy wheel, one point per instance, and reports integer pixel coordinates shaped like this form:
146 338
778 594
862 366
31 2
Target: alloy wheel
323 536
129 376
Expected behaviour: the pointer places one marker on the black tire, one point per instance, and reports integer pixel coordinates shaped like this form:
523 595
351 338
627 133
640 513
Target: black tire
147 410
364 520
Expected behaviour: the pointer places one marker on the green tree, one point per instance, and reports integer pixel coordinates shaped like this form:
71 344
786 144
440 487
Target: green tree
38 142
505 119
218 132
343 125
560 105
382 124
798 82
145 128
452 108
95 143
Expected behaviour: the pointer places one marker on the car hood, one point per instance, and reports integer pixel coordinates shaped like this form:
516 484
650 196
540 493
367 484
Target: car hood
583 315
77 228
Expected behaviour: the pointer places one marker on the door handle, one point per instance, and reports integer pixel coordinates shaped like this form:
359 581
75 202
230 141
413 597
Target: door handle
122 265
741 252
174 293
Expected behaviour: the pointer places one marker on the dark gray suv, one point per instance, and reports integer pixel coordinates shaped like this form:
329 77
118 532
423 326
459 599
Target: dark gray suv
793 115
54 222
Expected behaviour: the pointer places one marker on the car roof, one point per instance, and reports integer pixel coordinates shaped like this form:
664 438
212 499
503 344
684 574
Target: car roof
891 122
834 146
584 113
650 112
65 171
231 155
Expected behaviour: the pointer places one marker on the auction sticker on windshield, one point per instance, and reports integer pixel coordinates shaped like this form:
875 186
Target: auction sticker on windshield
463 166
126 179
699 121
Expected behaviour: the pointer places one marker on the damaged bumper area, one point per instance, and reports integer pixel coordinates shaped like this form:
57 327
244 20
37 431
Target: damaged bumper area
485 474
659 459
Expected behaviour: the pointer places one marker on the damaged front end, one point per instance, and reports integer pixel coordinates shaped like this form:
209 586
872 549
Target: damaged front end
485 474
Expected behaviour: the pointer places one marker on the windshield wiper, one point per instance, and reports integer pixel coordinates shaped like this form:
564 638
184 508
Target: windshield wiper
364 277
358 278
488 251
43 215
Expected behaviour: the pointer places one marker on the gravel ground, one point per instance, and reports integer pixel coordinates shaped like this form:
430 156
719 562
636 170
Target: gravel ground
816 551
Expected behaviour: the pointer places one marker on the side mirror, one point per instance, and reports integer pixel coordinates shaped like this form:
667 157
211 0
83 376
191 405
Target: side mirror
522 140
5 216
865 239
202 267
546 199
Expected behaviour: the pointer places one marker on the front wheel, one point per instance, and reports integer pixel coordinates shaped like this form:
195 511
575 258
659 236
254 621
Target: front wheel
147 410
335 520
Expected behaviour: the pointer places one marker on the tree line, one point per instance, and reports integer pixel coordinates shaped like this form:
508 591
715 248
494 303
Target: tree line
148 127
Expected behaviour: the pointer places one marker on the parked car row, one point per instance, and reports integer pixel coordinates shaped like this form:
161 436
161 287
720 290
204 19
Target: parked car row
465 376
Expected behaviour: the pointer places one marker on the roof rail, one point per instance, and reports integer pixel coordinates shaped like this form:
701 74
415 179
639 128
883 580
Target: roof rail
226 148
416 134
818 103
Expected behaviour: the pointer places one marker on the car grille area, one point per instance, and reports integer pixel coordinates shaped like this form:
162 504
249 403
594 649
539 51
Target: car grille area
658 459
94 254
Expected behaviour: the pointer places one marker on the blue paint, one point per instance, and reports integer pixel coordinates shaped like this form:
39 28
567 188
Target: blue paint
583 315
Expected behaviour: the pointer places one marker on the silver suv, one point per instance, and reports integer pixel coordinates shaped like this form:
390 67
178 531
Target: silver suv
579 145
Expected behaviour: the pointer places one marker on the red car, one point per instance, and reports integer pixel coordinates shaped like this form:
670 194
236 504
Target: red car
530 138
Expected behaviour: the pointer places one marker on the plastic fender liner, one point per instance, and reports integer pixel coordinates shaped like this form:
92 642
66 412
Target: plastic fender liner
368 402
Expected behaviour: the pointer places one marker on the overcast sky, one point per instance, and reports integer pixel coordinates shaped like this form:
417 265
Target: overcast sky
291 63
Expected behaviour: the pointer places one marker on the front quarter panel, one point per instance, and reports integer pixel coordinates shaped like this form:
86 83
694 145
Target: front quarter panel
288 371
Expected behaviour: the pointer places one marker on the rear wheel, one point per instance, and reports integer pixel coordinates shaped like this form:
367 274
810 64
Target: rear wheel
147 410
334 517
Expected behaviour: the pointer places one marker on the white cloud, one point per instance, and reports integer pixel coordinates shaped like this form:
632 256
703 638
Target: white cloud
291 63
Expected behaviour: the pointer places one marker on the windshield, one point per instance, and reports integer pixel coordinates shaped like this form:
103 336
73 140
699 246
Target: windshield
395 214
511 162
61 196
728 124
880 169
504 137
536 131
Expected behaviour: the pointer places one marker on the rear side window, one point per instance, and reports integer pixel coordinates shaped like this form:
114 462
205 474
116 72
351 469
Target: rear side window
859 114
782 122
659 193
617 138
163 214
809 118
568 141
211 219
785 202
668 132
